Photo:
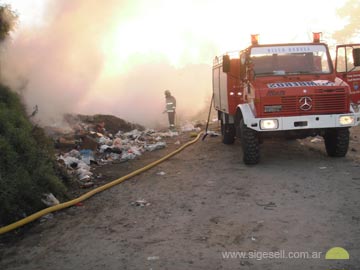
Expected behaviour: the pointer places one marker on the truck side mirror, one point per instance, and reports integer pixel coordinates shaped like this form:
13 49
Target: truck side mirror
226 63
356 57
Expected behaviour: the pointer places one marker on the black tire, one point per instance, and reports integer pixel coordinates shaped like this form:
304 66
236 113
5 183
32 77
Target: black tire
228 133
250 144
337 142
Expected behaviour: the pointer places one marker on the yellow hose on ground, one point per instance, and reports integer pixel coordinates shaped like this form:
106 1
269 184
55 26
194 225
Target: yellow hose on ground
91 193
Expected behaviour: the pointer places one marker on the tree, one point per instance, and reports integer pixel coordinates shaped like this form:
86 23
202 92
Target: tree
350 12
8 20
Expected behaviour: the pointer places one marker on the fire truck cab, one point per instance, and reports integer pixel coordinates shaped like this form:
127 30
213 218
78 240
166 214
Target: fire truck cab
290 90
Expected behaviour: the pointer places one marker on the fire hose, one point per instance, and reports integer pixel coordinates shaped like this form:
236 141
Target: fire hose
91 193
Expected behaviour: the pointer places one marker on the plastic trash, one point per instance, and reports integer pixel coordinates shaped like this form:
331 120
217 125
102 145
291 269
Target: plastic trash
84 174
50 200
103 148
213 133
187 127
117 143
84 178
87 185
136 150
73 153
70 162
155 146
83 165
114 156
128 156
140 203
168 134
87 155
105 141
134 134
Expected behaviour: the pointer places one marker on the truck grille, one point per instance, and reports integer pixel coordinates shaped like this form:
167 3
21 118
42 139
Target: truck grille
321 103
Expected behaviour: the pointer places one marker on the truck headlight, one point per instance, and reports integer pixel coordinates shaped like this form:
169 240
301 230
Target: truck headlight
346 120
269 124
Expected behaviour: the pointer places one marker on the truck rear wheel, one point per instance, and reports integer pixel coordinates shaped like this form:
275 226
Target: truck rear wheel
337 142
228 133
250 144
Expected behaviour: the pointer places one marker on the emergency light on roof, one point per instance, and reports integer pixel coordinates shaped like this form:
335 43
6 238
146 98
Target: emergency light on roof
316 37
255 39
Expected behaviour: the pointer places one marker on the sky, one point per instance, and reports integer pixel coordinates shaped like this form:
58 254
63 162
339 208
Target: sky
118 56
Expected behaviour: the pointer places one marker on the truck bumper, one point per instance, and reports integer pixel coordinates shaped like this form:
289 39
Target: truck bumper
301 122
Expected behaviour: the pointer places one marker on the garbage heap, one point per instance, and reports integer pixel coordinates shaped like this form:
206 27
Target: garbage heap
89 141
122 147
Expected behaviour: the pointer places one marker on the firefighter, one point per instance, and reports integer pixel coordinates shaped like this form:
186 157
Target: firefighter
170 109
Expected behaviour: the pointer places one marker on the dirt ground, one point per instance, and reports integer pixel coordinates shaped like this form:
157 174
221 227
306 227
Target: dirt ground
191 209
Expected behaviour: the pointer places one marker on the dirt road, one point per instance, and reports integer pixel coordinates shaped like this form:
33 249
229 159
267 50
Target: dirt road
206 204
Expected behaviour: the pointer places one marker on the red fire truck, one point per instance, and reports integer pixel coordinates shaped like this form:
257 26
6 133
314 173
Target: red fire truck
290 90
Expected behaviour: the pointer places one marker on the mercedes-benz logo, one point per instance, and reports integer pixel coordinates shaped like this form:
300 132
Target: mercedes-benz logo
305 103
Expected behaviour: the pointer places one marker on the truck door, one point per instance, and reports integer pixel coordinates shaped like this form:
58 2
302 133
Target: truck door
347 68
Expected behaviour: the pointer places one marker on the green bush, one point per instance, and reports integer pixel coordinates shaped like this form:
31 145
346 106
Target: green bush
27 165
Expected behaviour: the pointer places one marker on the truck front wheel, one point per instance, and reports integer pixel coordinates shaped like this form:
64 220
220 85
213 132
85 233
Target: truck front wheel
250 144
228 133
337 142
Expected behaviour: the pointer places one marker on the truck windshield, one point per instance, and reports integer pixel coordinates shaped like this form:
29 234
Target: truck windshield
290 59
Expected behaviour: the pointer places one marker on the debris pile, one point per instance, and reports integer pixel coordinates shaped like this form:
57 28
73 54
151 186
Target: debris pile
121 147
88 141
129 145
85 143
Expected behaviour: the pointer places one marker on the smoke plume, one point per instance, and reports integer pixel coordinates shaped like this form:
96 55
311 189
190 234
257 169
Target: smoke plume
118 56
61 67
